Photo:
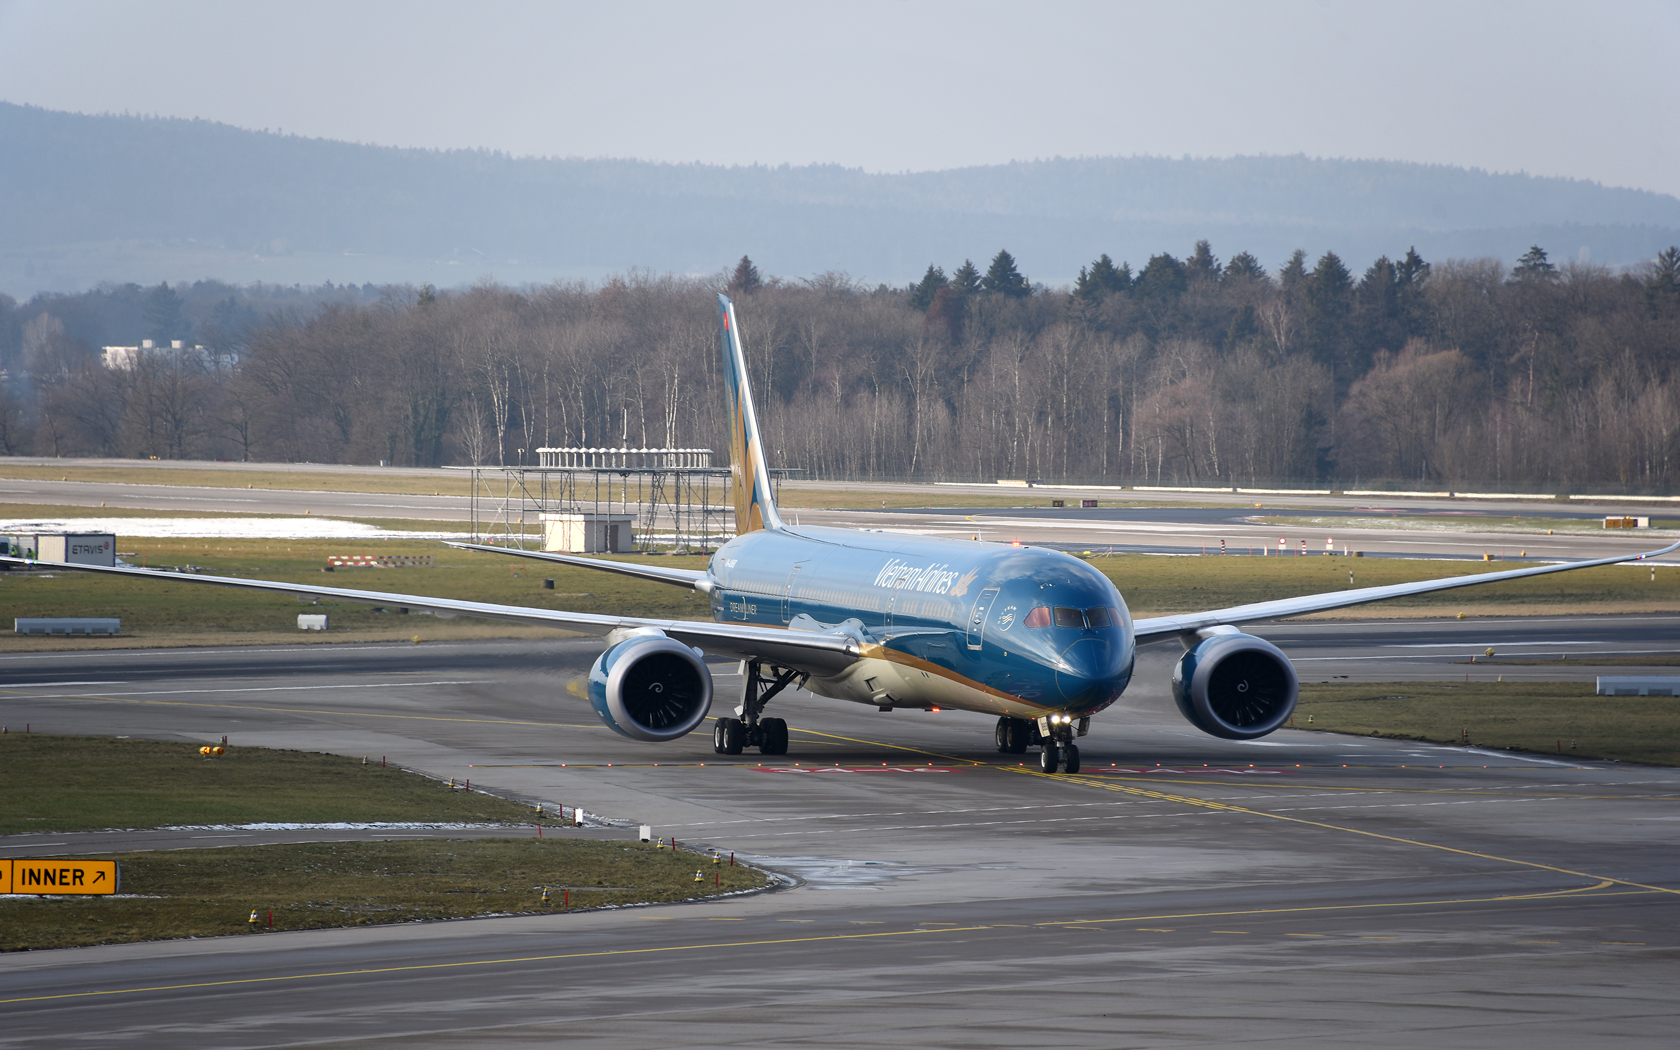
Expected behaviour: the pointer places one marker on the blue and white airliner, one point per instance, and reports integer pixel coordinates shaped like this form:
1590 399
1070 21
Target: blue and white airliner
1033 637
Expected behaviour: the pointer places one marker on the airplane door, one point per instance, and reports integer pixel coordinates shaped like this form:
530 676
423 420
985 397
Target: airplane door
977 621
787 593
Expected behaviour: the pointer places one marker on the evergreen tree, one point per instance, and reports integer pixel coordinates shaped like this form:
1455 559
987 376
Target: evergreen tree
1244 327
966 280
1102 278
746 279
1244 265
1162 278
1409 275
1293 277
1410 271
163 315
1326 301
923 291
427 297
1084 288
1110 278
1377 320
1533 266
1202 266
1003 278
1662 287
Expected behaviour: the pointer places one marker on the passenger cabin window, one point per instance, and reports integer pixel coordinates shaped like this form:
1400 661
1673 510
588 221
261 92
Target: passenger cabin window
1098 617
1039 617
1069 617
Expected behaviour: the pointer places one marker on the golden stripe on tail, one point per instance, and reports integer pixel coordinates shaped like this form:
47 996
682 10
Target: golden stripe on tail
755 508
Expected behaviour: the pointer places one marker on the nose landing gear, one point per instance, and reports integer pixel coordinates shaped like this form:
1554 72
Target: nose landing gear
1053 734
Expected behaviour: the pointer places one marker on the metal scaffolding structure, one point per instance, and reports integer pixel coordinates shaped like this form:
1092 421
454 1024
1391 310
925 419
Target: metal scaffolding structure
667 491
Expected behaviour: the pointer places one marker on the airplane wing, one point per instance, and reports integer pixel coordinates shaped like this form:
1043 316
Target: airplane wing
813 652
658 574
1159 628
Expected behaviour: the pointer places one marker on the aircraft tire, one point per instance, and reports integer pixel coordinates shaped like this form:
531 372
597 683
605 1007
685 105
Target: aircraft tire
1049 758
734 735
717 736
775 736
1070 758
1002 734
1019 736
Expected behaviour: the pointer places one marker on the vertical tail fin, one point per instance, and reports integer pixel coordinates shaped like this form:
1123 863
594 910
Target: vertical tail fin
755 508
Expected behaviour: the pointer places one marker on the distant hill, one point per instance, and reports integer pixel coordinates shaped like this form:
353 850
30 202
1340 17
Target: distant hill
85 199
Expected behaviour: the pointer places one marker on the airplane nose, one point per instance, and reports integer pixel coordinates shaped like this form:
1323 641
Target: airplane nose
1090 671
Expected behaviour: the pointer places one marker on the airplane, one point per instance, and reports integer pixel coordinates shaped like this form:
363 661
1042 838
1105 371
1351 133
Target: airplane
1034 637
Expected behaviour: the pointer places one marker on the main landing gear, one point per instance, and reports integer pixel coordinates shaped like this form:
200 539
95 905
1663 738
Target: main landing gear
1053 734
731 736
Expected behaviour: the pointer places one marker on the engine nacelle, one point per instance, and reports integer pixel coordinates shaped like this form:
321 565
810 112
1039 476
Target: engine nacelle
650 687
1235 686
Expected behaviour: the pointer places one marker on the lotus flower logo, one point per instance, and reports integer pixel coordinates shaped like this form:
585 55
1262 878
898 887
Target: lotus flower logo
960 588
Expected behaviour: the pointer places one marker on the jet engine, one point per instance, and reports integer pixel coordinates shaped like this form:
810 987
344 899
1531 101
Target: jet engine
651 687
1235 686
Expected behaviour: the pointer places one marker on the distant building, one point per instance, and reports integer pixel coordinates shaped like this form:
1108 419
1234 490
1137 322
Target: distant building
124 358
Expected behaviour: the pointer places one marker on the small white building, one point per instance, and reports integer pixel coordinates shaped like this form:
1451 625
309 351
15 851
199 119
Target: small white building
125 358
585 532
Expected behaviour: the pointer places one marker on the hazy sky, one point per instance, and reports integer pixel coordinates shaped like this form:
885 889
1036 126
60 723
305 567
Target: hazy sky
1554 88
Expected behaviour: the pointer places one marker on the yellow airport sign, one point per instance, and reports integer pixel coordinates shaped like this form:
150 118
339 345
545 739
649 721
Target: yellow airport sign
60 875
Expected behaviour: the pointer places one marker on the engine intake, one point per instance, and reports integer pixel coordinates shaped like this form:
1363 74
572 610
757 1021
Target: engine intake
650 687
1235 686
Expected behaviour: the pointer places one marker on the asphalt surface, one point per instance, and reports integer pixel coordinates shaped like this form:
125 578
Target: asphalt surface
1183 891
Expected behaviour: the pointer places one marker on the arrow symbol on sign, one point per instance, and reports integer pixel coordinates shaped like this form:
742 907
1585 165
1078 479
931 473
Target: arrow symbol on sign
98 877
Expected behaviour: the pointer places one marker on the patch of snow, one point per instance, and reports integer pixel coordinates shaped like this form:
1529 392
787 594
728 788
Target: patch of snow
310 528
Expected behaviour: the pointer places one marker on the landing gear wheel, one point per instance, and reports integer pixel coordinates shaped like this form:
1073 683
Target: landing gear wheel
1012 735
717 736
1070 758
1019 736
734 735
775 735
1049 758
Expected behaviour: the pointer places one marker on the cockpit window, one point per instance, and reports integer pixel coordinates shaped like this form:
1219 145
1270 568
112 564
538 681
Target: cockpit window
1069 617
1098 617
1039 617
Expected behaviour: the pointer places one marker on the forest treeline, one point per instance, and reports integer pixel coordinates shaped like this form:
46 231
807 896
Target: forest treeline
1187 370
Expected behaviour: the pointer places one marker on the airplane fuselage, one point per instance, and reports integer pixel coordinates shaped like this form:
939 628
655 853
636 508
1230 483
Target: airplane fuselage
1002 630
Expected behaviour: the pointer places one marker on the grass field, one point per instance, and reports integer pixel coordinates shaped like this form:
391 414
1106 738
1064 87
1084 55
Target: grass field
1156 586
63 783
441 482
177 613
157 613
212 892
57 783
1549 718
